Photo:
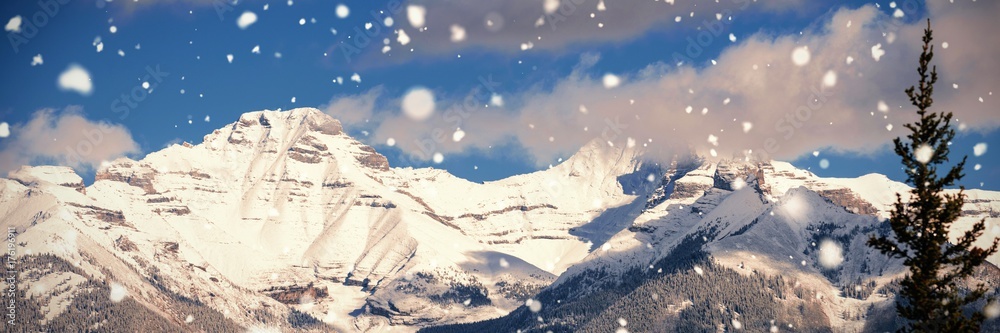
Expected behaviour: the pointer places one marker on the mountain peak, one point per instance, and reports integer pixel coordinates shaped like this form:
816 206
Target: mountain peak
315 119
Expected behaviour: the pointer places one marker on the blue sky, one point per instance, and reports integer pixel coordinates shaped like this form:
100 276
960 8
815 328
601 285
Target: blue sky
187 43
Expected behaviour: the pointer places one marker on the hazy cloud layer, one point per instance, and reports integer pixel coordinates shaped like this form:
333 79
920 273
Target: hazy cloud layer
789 110
64 138
552 25
354 110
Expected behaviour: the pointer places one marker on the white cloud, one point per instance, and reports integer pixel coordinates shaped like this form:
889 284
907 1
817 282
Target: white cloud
64 138
76 78
506 25
790 110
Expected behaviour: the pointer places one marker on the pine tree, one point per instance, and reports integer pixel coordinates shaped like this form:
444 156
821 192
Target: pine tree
931 298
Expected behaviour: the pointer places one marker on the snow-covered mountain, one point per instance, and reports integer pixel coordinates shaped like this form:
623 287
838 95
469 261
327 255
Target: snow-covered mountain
735 244
280 217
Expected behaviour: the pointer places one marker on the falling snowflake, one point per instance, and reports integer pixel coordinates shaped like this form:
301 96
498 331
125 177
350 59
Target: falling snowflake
356 77
747 126
714 140
457 33
343 11
738 184
458 135
698 270
118 292
533 305
229 57
14 25
877 52
496 100
416 14
76 78
418 104
390 142
246 19
550 6
831 255
824 163
504 263
979 149
923 154
611 81
438 158
4 130
992 310
800 56
189 319
732 38
882 107
830 79
37 60
402 37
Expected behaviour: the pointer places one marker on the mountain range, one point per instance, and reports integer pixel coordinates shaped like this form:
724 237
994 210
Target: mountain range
280 221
